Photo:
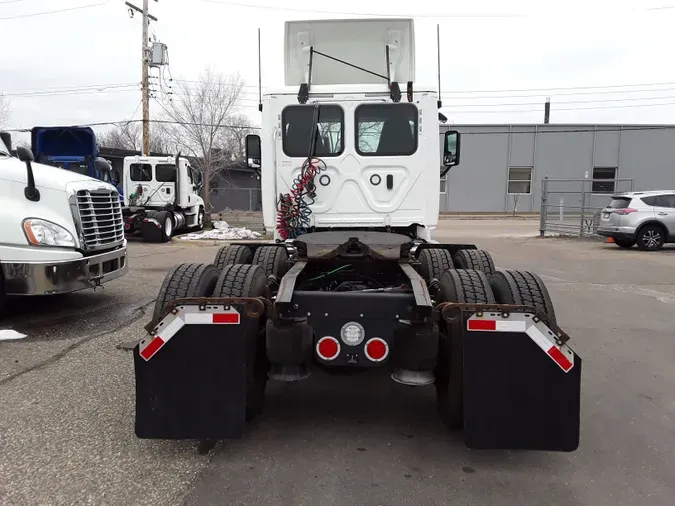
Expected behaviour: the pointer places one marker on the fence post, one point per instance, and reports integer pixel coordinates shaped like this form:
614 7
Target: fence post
544 207
583 204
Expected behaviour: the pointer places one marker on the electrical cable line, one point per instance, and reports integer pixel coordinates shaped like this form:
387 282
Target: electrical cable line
44 13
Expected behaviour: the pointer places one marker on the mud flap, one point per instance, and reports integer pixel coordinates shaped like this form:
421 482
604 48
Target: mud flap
191 373
521 386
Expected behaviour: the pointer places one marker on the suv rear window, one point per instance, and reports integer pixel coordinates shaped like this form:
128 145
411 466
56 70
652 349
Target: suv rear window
619 203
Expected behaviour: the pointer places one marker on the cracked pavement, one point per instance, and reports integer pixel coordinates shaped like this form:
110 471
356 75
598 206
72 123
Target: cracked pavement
67 402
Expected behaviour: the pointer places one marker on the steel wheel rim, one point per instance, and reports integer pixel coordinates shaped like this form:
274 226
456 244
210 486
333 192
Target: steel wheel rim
168 227
651 238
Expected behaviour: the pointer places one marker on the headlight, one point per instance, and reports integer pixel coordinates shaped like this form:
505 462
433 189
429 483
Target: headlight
45 233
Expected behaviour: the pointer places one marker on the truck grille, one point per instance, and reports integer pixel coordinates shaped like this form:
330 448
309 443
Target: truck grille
100 218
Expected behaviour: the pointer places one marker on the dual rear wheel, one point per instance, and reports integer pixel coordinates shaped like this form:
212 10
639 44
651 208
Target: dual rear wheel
476 282
236 272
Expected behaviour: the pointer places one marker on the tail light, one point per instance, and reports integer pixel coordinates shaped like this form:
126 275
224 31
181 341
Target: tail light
328 348
627 210
376 349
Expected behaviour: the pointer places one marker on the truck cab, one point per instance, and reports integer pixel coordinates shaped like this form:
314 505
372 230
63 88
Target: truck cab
62 230
161 196
373 156
70 148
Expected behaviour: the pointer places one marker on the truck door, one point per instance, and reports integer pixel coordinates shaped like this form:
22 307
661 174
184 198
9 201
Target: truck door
138 181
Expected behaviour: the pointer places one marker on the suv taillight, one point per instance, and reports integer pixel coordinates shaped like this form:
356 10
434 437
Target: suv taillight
626 210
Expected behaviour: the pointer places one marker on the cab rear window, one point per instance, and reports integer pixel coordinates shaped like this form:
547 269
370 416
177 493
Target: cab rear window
619 203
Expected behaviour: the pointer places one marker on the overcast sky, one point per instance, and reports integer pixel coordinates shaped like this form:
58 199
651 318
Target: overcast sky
574 51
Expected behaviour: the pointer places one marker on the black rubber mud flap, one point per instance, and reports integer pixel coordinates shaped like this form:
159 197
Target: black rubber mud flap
150 232
516 395
194 384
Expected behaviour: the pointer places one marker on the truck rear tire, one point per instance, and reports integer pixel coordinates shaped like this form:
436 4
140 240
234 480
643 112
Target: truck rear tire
272 259
165 219
434 262
476 259
523 288
231 254
186 280
242 280
467 286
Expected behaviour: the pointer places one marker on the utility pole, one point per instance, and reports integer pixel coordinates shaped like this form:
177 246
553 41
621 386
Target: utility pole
145 81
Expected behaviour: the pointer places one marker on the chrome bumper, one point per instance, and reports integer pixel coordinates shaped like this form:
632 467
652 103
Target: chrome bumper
64 276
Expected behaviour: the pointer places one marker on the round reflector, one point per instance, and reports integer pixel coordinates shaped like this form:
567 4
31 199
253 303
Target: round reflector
376 349
328 348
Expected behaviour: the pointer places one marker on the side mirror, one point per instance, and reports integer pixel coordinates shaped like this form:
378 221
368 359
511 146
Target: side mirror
253 152
24 154
102 165
6 139
451 148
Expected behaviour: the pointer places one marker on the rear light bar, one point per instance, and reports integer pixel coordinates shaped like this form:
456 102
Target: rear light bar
627 210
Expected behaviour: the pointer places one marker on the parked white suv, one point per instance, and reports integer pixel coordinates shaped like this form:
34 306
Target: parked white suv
643 218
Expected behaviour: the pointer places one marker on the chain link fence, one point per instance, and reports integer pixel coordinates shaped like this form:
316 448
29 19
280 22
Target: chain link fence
573 206
236 199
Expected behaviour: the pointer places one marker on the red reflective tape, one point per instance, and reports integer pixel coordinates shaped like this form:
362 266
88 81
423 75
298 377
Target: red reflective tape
560 358
152 348
225 318
482 325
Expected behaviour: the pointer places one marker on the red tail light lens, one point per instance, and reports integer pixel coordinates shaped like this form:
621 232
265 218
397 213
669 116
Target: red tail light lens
627 210
328 348
376 349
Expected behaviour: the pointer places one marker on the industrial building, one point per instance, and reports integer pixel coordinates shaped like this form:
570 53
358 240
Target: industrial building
504 164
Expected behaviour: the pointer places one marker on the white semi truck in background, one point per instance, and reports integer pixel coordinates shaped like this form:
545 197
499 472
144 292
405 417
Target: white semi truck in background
61 231
355 280
161 197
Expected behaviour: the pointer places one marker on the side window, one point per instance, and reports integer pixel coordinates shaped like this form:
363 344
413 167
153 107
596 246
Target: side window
165 173
650 201
140 172
386 129
297 130
665 201
190 175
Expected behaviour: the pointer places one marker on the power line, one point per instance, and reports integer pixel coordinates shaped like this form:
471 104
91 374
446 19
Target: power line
497 111
74 91
516 104
44 13
378 15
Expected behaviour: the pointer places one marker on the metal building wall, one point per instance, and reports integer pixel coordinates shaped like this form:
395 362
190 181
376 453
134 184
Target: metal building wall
479 183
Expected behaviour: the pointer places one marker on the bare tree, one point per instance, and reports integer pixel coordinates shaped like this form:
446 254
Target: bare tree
233 140
198 121
5 111
129 136
516 199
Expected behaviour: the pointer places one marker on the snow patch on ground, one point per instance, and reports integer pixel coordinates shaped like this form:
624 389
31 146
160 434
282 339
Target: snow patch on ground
222 231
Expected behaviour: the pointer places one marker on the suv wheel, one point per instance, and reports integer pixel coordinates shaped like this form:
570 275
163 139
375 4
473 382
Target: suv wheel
651 238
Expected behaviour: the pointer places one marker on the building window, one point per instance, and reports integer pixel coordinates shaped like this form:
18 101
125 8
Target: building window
520 181
297 128
608 173
386 129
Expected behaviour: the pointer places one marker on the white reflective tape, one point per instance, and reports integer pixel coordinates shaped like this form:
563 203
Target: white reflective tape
168 331
198 318
165 332
538 337
510 326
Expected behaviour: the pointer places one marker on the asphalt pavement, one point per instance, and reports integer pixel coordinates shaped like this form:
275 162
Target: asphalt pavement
67 402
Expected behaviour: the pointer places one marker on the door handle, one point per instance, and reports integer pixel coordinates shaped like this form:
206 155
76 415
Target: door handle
662 214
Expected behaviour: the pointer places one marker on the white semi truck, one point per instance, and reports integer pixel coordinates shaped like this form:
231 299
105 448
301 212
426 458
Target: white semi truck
355 281
61 231
161 197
